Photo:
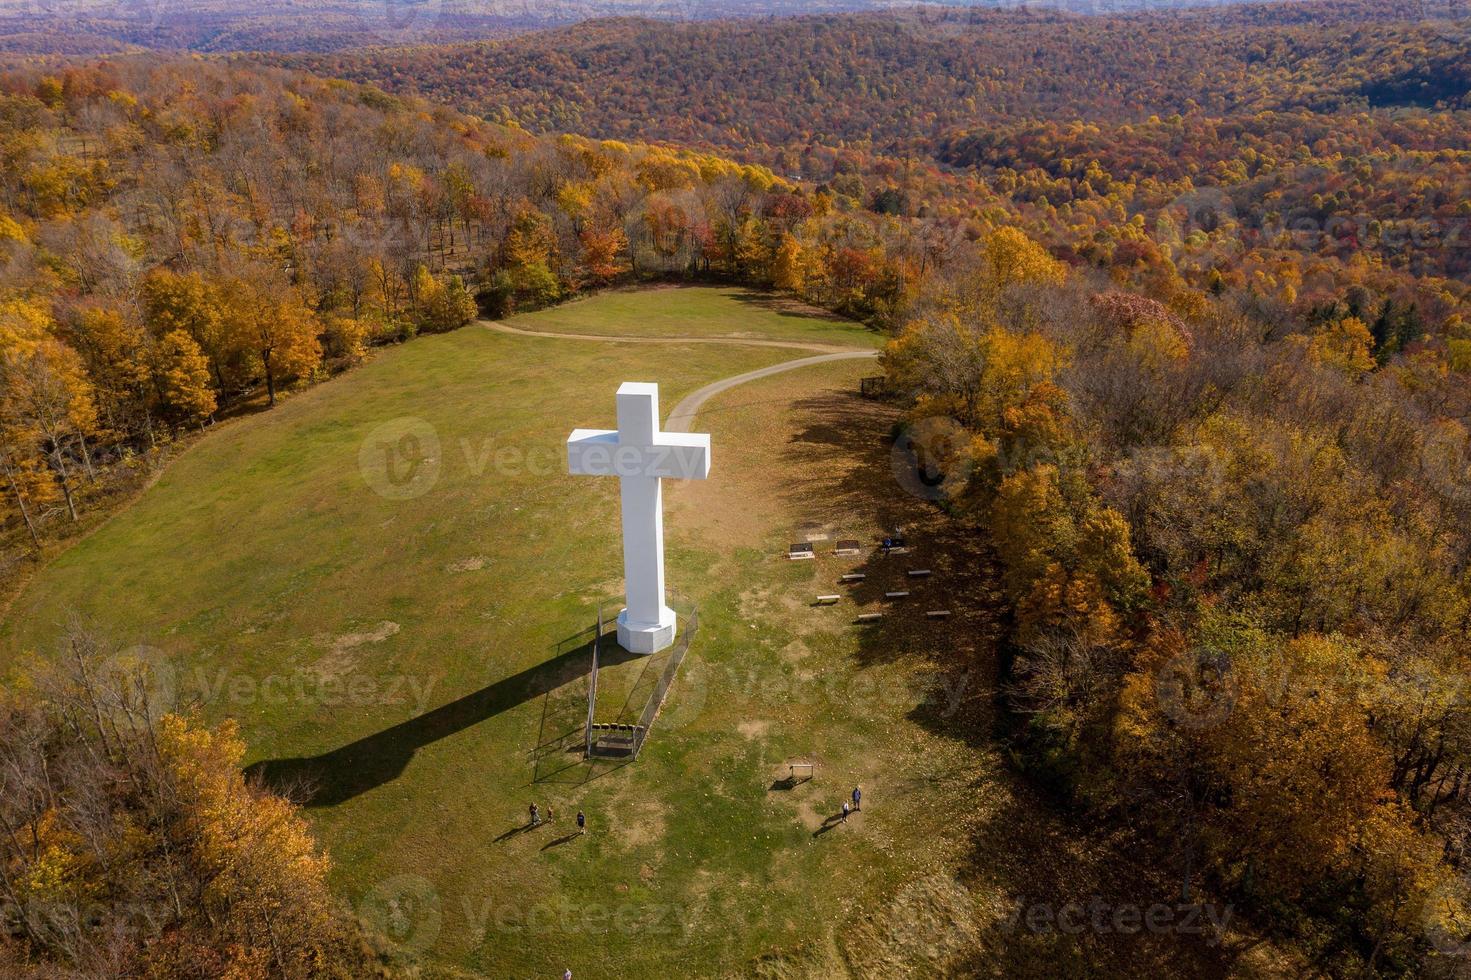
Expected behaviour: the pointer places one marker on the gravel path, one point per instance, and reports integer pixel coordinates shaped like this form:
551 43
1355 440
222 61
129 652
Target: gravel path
684 413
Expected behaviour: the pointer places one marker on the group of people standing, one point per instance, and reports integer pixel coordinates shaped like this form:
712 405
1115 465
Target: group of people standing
536 818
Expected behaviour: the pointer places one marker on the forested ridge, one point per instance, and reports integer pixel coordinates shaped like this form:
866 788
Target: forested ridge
1181 322
1279 146
890 82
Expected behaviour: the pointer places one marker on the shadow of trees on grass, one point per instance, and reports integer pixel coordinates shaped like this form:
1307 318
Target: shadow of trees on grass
1036 850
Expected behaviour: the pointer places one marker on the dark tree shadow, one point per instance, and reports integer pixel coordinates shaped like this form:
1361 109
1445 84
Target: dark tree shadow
560 736
1101 881
342 774
789 307
1034 847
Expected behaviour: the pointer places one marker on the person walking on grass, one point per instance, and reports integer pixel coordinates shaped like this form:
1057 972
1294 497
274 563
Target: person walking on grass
581 823
846 808
535 816
857 798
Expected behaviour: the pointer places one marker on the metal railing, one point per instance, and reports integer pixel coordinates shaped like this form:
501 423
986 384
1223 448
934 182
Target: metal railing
671 669
592 689
625 739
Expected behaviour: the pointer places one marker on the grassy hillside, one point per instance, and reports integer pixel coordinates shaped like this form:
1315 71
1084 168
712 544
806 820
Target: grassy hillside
287 593
423 658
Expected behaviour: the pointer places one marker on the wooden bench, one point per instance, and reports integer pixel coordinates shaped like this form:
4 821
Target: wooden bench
919 573
869 617
827 600
854 577
937 614
896 595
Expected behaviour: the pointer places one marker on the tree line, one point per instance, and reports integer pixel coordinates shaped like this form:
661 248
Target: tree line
1236 558
1293 152
132 845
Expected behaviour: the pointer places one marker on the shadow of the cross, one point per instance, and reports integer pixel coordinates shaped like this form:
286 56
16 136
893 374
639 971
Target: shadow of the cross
344 773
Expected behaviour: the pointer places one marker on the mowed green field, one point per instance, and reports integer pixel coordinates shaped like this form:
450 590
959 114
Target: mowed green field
683 311
388 581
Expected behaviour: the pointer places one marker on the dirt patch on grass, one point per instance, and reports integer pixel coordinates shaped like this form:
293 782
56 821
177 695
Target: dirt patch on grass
809 816
753 729
472 564
744 503
644 824
755 604
795 652
341 653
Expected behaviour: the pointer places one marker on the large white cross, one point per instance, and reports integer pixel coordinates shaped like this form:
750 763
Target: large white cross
641 457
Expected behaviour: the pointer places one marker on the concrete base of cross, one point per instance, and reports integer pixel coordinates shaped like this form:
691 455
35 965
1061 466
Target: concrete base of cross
646 637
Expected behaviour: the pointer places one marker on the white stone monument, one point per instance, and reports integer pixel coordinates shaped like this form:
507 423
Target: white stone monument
641 457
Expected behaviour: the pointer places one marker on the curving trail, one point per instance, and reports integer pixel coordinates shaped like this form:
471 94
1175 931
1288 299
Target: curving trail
683 415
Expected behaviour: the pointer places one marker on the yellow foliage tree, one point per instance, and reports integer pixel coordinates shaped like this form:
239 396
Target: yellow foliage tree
267 318
786 265
1346 345
47 400
1011 258
189 302
182 374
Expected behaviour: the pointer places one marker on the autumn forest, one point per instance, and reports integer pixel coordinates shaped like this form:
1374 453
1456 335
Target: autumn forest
1176 306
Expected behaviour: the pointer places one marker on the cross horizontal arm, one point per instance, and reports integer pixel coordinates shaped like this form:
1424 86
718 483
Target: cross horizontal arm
673 455
590 452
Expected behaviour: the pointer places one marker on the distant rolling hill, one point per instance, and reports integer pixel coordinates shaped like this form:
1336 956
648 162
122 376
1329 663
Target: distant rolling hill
898 81
83 27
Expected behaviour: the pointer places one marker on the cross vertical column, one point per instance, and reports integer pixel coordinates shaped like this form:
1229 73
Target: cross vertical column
643 552
647 623
641 457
